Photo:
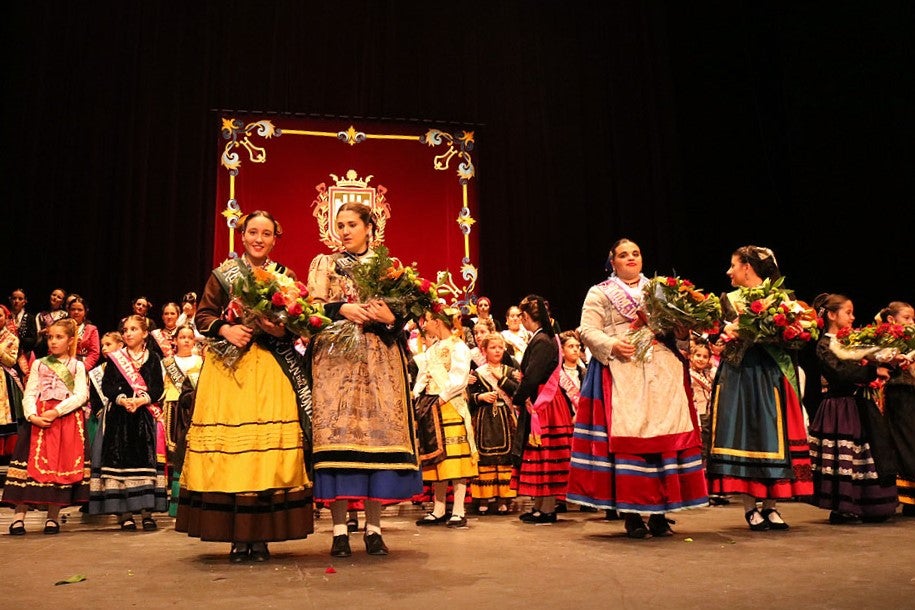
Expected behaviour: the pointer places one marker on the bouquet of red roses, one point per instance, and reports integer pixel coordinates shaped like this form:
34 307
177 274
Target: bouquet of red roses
881 342
768 314
260 293
383 277
672 302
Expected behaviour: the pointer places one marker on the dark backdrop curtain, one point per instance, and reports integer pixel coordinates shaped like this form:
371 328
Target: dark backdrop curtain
692 128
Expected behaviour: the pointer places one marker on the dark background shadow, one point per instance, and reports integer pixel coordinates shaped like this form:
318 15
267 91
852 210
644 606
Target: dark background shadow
691 127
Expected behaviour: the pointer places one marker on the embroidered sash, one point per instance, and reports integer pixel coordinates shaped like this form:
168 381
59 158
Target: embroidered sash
95 378
131 373
544 397
164 340
61 370
572 389
174 372
615 291
484 372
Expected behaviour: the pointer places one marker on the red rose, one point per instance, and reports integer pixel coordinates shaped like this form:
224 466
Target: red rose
424 285
780 320
671 281
805 336
301 287
757 307
687 283
295 309
315 322
820 323
438 307
278 299
843 332
790 333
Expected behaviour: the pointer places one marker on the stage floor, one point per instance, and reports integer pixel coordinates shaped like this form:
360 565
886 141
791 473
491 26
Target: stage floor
582 561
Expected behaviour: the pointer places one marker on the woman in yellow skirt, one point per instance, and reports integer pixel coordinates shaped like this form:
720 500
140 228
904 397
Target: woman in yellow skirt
243 480
447 447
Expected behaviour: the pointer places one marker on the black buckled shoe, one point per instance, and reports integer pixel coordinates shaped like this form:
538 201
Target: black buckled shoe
51 527
658 525
374 544
774 525
259 552
17 528
763 524
456 521
431 519
239 552
635 527
340 546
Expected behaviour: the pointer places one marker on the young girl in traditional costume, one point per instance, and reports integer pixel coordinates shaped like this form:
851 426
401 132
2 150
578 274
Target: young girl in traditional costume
10 389
48 466
545 420
181 373
494 425
854 466
447 448
127 476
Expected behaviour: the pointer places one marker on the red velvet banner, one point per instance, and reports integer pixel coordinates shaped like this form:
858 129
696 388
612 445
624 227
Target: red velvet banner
420 180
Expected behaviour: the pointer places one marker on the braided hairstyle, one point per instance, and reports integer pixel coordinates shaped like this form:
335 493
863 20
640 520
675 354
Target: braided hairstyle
535 307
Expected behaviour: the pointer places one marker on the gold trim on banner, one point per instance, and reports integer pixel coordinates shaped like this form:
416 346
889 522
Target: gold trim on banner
458 148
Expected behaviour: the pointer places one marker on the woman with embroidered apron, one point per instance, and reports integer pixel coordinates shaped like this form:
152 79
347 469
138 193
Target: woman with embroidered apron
637 447
244 478
364 436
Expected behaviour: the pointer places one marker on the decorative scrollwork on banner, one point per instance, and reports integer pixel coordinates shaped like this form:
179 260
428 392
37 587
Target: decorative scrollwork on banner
239 136
464 140
351 136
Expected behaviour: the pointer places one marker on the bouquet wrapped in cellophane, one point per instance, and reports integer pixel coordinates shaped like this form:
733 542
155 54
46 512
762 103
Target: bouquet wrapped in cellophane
259 293
878 342
383 277
768 314
671 304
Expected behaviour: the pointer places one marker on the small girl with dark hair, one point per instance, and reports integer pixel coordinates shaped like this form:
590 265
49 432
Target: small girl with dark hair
854 470
126 475
48 466
544 420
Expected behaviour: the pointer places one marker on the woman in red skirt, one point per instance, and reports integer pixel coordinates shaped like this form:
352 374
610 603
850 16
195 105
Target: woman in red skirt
544 421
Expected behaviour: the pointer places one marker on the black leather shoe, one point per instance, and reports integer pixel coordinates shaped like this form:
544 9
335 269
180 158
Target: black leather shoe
457 521
259 552
635 527
431 519
773 525
17 528
51 527
658 525
374 544
762 526
239 552
340 546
